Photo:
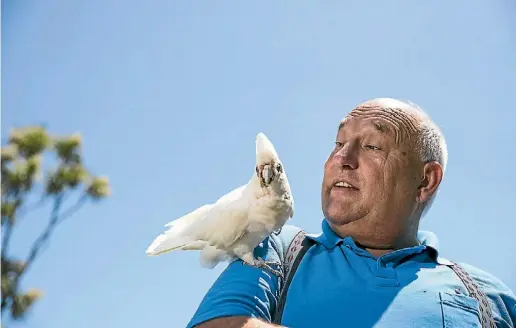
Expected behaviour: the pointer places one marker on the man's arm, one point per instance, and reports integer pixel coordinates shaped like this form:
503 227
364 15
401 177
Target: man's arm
242 296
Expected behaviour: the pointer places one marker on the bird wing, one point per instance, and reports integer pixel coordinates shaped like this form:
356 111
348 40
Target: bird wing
226 221
218 224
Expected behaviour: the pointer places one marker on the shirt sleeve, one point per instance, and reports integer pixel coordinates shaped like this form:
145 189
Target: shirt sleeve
242 290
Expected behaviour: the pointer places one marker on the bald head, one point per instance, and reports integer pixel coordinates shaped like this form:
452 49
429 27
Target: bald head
412 123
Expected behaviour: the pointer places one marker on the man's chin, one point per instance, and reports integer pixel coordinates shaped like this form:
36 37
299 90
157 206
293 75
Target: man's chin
341 215
340 220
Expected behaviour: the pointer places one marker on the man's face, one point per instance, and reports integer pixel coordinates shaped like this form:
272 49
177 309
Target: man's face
372 174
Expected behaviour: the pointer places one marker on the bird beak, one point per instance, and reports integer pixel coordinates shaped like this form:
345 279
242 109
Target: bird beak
266 175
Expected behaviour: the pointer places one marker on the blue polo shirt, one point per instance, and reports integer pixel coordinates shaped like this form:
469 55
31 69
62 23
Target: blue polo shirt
338 284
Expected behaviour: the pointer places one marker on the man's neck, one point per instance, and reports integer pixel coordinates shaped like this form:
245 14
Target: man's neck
379 251
378 244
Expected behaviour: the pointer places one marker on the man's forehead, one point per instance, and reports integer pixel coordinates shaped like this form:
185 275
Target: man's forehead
387 111
374 123
385 115
373 126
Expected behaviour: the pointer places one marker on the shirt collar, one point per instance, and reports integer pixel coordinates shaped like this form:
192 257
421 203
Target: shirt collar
329 239
430 240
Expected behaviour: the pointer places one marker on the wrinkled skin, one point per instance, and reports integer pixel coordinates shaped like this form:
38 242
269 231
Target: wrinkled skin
375 152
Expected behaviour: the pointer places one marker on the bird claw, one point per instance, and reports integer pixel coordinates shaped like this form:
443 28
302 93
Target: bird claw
261 264
267 266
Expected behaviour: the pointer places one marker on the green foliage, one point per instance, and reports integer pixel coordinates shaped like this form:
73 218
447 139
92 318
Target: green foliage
22 172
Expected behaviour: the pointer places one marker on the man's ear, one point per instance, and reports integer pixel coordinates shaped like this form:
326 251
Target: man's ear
432 177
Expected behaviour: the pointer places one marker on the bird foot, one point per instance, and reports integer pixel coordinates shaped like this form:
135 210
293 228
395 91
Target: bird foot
260 263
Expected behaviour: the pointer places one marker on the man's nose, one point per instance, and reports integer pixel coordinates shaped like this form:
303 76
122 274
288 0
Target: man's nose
347 156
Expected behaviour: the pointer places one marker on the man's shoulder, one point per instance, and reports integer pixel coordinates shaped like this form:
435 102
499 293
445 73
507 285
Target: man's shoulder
501 297
281 240
287 233
490 283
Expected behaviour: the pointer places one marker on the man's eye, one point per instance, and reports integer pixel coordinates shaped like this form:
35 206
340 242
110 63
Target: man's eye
372 147
338 144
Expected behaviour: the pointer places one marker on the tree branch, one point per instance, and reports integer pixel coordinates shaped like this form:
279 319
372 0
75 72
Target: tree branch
56 218
72 209
8 231
31 207
10 224
45 235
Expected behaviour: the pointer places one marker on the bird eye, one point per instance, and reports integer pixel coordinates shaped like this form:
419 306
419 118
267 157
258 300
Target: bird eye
279 168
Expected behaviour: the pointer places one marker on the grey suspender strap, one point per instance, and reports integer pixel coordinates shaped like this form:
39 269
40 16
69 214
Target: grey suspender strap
486 316
300 245
295 252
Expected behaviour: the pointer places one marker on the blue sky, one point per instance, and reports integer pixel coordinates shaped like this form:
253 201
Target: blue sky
169 96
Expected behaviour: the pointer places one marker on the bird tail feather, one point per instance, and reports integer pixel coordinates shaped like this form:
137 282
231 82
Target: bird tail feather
164 244
174 239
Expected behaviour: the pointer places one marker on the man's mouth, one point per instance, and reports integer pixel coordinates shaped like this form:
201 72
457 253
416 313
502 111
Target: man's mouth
344 185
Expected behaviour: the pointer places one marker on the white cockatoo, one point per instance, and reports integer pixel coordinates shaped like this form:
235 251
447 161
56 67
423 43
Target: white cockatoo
238 221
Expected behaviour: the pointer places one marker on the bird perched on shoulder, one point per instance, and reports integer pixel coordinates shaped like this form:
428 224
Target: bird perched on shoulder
237 222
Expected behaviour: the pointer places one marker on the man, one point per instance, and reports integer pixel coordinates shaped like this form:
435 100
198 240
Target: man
370 266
